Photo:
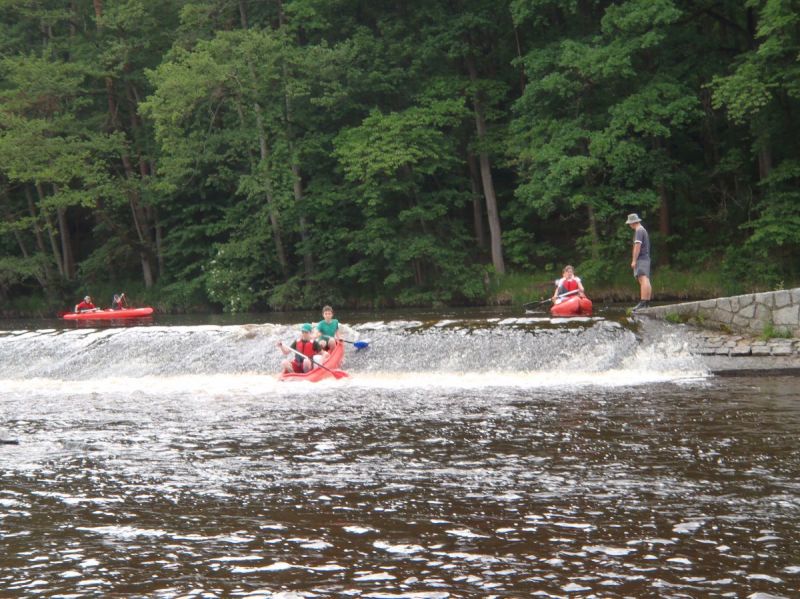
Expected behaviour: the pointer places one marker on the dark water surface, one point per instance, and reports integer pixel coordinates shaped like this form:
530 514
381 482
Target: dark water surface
454 477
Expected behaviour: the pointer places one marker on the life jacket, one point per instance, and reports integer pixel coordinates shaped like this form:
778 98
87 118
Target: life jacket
306 348
569 284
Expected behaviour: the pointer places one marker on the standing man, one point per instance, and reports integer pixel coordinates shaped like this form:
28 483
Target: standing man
640 262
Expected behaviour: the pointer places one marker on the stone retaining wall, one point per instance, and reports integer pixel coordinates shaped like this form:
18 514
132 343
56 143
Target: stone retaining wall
748 314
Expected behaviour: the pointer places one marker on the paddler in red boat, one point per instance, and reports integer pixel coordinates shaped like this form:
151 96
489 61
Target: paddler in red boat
119 301
308 347
86 305
567 283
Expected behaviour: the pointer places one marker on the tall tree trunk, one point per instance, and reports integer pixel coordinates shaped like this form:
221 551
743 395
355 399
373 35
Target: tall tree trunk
594 233
764 157
264 154
147 170
297 183
759 130
495 232
308 256
37 232
663 224
141 224
67 255
477 203
23 248
51 233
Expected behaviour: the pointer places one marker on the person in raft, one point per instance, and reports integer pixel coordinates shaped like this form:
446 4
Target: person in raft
327 329
86 305
309 348
119 301
567 283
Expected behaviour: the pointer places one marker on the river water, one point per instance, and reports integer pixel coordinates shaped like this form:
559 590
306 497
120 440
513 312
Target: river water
468 455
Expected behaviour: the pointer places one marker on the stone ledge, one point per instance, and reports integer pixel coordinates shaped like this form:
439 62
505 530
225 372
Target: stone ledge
750 314
706 343
753 366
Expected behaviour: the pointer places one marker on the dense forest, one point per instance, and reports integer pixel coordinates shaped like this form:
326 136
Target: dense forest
261 154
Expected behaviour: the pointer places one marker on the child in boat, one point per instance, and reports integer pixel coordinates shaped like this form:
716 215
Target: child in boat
566 284
309 350
86 305
327 329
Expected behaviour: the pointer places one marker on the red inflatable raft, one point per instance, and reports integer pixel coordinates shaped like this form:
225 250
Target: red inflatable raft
109 314
572 306
317 373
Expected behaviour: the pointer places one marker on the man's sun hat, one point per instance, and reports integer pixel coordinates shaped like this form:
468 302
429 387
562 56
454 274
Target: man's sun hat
306 328
633 218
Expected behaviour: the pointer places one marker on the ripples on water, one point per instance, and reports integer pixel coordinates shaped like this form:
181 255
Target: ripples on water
236 485
336 490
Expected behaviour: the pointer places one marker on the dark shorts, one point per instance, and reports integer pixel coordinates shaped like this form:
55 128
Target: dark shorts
642 268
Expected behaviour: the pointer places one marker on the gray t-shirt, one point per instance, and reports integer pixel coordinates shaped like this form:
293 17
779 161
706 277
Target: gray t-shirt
643 238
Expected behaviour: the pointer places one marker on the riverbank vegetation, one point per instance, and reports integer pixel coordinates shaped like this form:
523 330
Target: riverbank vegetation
248 155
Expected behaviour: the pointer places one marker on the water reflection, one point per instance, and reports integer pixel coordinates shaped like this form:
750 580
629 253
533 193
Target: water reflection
665 490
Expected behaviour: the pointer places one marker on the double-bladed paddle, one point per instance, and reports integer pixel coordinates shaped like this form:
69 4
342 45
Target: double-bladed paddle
549 299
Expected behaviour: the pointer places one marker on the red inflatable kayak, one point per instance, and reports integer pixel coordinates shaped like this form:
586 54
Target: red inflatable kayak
317 373
109 314
573 306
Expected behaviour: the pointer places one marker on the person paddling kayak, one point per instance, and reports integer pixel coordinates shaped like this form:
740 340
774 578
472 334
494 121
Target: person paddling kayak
119 301
86 305
566 284
310 351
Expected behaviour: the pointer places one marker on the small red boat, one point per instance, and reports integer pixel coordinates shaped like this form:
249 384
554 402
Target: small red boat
109 314
572 306
317 374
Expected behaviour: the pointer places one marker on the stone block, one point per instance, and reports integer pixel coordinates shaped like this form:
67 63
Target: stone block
707 304
747 311
722 351
782 350
763 315
740 350
782 298
722 317
760 350
745 300
795 295
724 304
765 299
788 316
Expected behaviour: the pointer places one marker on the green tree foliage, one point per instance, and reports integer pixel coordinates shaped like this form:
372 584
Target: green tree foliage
761 90
249 154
